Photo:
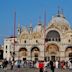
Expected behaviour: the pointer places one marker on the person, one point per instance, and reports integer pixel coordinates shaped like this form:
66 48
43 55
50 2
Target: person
52 66
41 65
56 64
45 66
4 64
70 65
12 63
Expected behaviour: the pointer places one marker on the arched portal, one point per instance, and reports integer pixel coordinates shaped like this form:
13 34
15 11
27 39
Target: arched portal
52 36
1 54
70 56
68 53
35 53
52 52
23 53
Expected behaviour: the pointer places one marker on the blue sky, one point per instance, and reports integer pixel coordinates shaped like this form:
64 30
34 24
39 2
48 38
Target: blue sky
27 10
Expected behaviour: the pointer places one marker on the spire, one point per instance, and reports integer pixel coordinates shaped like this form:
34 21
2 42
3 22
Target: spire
31 23
62 13
39 22
30 28
23 28
19 28
58 12
45 20
19 22
26 27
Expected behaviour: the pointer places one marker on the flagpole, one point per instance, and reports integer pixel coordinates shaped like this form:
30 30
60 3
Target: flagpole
44 31
14 35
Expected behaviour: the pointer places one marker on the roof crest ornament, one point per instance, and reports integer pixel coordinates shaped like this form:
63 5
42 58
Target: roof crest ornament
31 29
39 22
62 13
58 10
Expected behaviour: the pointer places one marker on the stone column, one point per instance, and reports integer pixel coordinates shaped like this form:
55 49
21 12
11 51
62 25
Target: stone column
62 55
41 56
28 55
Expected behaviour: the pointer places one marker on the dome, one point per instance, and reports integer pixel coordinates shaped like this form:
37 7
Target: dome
38 28
24 30
59 20
24 33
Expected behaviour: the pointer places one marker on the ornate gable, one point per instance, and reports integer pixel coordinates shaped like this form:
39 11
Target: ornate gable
53 25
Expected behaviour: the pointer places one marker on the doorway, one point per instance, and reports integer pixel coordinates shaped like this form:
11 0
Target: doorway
53 58
70 56
36 57
1 54
24 59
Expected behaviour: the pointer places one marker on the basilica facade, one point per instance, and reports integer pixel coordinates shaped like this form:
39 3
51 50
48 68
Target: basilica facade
53 42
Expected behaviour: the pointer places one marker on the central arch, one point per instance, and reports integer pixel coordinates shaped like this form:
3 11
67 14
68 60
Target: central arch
23 53
35 53
52 35
52 52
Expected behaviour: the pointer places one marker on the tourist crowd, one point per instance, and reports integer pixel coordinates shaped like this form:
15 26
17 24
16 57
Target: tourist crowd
41 65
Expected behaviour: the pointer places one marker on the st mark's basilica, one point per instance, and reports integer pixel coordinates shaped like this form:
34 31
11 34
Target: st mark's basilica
53 42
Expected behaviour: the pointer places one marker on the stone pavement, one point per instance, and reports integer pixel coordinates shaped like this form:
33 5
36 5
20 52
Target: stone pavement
32 70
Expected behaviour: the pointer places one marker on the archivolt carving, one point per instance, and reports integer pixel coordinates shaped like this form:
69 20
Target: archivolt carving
54 26
52 48
23 52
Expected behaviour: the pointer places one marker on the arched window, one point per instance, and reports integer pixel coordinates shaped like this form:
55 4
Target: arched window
52 36
6 47
22 49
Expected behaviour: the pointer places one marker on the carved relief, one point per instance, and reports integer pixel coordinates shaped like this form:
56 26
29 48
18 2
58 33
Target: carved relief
53 25
22 52
67 51
52 48
64 28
